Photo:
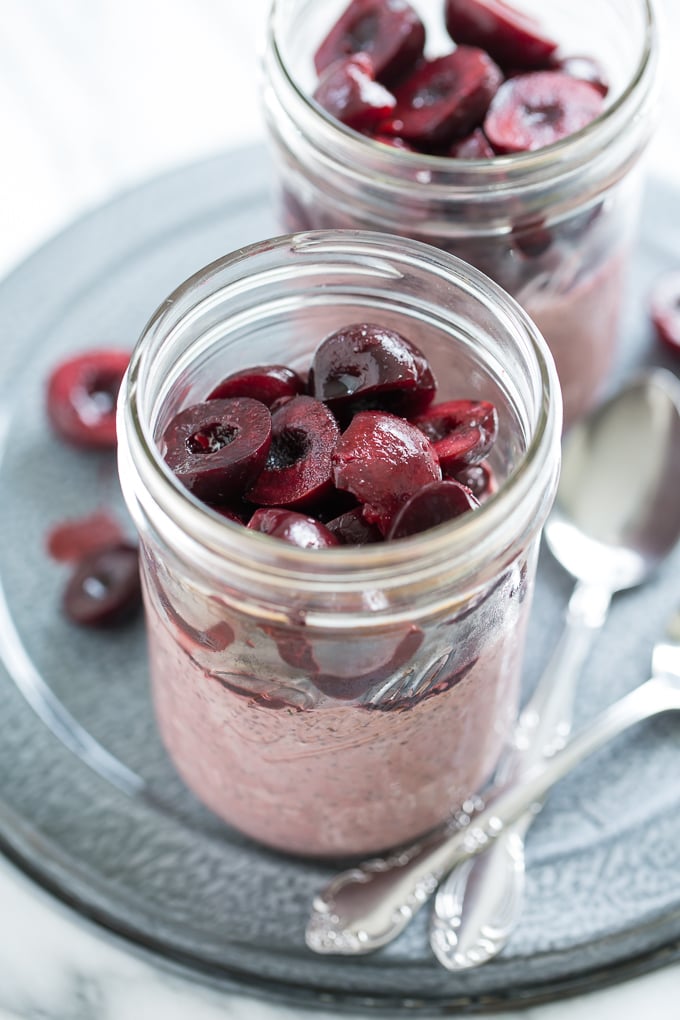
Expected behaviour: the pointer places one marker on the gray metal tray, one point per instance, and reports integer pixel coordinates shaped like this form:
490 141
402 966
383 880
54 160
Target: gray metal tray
90 805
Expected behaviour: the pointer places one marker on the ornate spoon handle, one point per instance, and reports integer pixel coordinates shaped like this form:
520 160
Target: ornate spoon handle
478 903
368 906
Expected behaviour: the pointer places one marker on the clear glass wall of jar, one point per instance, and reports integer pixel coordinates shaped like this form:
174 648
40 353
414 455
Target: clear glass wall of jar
343 700
554 227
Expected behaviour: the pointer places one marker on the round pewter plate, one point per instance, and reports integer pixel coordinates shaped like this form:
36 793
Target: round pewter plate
90 806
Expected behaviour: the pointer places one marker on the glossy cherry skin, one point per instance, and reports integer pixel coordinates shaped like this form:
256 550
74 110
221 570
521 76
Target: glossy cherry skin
265 383
81 397
389 31
434 504
461 432
348 91
532 111
444 99
364 366
298 470
218 448
510 37
382 460
294 528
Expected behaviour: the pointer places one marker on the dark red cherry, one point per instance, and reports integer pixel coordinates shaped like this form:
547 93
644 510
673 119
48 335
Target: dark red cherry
382 460
367 366
586 69
473 146
298 472
444 99
82 394
461 432
389 31
104 588
434 504
478 478
510 37
265 383
218 448
349 92
352 528
535 110
665 310
305 532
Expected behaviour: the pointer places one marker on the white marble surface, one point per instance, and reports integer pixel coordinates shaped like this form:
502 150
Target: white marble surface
96 96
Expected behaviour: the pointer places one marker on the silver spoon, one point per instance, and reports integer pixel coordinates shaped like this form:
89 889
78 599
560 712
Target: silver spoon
655 398
610 528
368 906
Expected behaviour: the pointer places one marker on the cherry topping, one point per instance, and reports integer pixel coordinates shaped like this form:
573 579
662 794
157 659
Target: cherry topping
461 432
218 448
510 37
82 394
434 504
305 532
382 460
478 478
444 99
535 110
349 92
665 310
389 31
474 146
104 588
351 528
265 383
297 473
367 366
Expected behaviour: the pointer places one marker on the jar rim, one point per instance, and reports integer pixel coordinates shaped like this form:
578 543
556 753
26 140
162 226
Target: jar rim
504 171
155 496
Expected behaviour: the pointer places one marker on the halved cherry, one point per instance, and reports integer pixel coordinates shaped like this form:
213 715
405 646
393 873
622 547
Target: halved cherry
368 366
510 37
391 33
535 110
352 528
292 527
665 310
349 92
461 432
298 471
218 448
104 588
346 673
445 98
434 504
265 383
382 460
81 397
478 478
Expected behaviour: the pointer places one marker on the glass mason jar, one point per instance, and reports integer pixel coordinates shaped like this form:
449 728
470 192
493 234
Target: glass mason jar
552 227
344 700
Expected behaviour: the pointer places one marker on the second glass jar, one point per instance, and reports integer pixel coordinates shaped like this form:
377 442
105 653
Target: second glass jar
553 227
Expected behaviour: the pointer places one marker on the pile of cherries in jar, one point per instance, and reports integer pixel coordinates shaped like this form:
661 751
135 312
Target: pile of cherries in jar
356 453
504 88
